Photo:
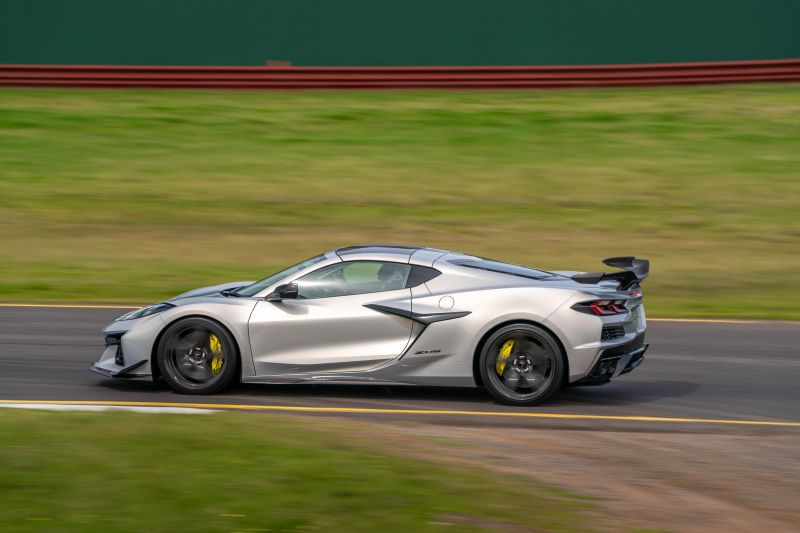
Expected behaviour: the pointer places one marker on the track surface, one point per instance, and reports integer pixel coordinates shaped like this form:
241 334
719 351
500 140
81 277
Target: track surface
734 371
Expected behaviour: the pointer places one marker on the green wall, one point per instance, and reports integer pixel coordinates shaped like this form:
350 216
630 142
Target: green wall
395 32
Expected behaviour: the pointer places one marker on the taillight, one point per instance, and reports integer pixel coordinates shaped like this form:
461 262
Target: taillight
602 307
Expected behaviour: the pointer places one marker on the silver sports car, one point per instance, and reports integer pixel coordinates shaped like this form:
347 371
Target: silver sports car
390 314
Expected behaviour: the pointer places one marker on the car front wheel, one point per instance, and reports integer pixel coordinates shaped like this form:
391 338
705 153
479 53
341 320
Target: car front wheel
197 356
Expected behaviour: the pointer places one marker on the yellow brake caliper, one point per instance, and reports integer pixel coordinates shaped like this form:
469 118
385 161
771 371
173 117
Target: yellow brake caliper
505 352
216 349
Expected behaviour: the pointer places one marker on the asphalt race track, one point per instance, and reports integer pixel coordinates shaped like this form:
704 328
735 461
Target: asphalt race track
745 371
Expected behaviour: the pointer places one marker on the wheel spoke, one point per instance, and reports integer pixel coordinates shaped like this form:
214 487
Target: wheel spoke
534 380
521 343
202 373
535 352
198 338
511 377
541 359
182 347
190 340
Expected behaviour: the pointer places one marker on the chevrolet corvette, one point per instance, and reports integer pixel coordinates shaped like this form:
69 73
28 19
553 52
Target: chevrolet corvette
392 314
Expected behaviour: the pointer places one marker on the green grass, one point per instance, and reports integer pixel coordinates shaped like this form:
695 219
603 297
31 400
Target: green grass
237 472
136 195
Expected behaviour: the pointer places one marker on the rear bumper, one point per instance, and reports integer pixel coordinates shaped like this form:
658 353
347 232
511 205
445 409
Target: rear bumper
616 361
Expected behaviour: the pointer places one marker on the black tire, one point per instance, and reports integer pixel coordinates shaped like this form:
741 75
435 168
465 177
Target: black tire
189 353
528 372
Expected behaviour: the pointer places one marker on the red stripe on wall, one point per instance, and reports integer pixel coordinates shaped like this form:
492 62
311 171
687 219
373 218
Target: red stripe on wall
287 77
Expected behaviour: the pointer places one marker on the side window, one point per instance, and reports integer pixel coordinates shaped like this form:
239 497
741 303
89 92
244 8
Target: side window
353 277
420 275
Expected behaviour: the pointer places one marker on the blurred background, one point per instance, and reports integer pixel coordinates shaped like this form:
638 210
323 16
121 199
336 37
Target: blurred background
133 195
151 147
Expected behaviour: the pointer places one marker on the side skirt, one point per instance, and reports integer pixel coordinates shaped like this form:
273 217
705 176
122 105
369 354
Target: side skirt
332 379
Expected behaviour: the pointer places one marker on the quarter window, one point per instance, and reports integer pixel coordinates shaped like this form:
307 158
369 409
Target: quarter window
420 275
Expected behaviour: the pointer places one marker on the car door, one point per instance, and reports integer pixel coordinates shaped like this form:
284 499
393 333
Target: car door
327 328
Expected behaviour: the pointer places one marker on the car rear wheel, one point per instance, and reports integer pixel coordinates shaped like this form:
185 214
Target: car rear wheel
521 364
197 356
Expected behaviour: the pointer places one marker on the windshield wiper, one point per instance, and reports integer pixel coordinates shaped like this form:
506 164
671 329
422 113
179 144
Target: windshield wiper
231 292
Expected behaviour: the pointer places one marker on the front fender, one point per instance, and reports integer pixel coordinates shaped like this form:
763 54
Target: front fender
232 313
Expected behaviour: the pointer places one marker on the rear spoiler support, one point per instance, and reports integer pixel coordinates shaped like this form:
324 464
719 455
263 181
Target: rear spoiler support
634 271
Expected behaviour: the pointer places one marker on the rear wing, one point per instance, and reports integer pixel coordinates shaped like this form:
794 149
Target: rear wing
634 271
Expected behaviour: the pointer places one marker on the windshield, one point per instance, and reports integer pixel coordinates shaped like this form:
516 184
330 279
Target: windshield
259 286
505 268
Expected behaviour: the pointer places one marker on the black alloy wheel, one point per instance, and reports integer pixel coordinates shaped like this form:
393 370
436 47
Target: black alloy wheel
197 356
522 364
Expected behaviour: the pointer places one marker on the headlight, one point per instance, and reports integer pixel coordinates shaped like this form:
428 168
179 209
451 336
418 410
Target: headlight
146 311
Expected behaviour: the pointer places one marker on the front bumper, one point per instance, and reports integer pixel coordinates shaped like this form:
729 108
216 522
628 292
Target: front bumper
616 361
123 373
109 366
128 349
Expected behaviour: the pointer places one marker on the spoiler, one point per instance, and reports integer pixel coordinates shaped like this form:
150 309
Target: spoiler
634 271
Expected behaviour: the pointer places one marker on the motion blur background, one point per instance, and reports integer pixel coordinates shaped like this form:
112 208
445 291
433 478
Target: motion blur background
114 189
136 195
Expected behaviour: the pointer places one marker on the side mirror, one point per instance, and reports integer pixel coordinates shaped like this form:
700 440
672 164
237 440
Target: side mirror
287 291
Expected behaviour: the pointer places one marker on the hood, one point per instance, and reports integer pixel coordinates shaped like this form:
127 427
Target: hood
206 291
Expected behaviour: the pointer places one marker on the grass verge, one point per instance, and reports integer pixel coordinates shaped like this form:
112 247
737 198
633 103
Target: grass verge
240 472
139 195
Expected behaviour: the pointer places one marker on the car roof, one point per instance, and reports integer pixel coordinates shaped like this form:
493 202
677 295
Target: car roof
423 256
402 249
391 252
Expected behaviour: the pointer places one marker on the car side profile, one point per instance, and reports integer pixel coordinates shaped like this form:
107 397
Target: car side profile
392 314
